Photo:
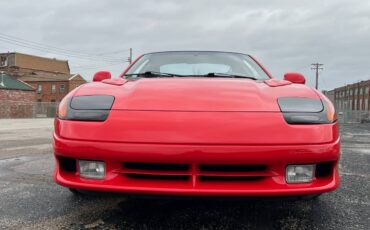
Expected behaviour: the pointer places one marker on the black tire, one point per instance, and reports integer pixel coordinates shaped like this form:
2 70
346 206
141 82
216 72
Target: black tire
78 192
75 191
92 194
310 197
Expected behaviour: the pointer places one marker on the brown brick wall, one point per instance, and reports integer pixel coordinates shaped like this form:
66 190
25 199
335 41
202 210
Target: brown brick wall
353 97
16 103
75 83
47 95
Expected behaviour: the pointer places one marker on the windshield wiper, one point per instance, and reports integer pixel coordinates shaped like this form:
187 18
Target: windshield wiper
228 75
150 74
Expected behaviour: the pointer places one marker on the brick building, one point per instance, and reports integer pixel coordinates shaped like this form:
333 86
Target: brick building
329 94
52 87
50 77
16 98
352 97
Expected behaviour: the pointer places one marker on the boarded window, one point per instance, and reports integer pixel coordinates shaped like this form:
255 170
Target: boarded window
39 89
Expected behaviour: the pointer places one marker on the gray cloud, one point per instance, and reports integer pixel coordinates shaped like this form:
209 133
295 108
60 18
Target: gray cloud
284 35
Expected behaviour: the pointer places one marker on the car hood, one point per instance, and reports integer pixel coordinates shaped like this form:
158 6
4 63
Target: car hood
197 94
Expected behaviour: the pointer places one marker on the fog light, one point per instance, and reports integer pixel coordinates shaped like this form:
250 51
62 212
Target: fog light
299 173
91 169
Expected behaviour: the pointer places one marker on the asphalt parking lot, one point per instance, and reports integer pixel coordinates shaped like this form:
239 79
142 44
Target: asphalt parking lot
29 199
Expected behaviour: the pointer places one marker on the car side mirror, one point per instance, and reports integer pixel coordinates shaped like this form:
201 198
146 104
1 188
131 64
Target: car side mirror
295 78
102 75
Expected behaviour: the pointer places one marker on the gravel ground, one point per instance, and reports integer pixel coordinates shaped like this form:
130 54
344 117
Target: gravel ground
29 198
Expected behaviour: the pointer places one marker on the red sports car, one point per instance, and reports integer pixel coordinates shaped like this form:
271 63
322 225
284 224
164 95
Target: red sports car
197 123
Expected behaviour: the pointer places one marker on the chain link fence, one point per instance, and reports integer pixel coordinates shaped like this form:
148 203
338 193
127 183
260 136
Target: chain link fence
48 109
352 116
28 110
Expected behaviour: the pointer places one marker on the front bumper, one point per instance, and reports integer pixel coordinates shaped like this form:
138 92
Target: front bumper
268 181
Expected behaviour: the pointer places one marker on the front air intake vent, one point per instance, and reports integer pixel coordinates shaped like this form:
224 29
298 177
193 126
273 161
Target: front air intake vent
156 166
231 168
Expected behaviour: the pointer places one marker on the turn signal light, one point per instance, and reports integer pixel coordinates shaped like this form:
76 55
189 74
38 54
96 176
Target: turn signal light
85 108
62 110
307 110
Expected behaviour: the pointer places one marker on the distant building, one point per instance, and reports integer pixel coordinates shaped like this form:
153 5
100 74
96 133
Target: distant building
20 61
16 98
50 77
52 87
352 97
330 95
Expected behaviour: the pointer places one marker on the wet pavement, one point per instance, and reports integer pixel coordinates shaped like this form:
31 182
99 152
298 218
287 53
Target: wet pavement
29 199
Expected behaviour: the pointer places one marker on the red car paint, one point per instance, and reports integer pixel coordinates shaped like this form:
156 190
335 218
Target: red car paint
197 122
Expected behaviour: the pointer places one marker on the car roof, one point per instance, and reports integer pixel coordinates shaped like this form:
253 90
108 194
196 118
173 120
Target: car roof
199 51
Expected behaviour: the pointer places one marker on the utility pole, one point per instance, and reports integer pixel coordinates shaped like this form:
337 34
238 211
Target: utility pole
317 67
130 58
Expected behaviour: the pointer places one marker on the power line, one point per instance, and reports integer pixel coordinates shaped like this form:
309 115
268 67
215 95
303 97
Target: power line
54 47
324 82
114 52
87 67
38 46
301 68
99 58
58 53
317 67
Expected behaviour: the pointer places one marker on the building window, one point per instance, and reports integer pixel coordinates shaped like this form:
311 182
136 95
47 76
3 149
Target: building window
360 106
366 104
39 89
53 88
367 90
356 91
62 88
3 61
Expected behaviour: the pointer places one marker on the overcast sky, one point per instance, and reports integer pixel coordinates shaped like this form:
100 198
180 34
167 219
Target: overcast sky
285 35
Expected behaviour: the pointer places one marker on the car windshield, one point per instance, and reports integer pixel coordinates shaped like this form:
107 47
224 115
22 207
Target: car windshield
195 63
